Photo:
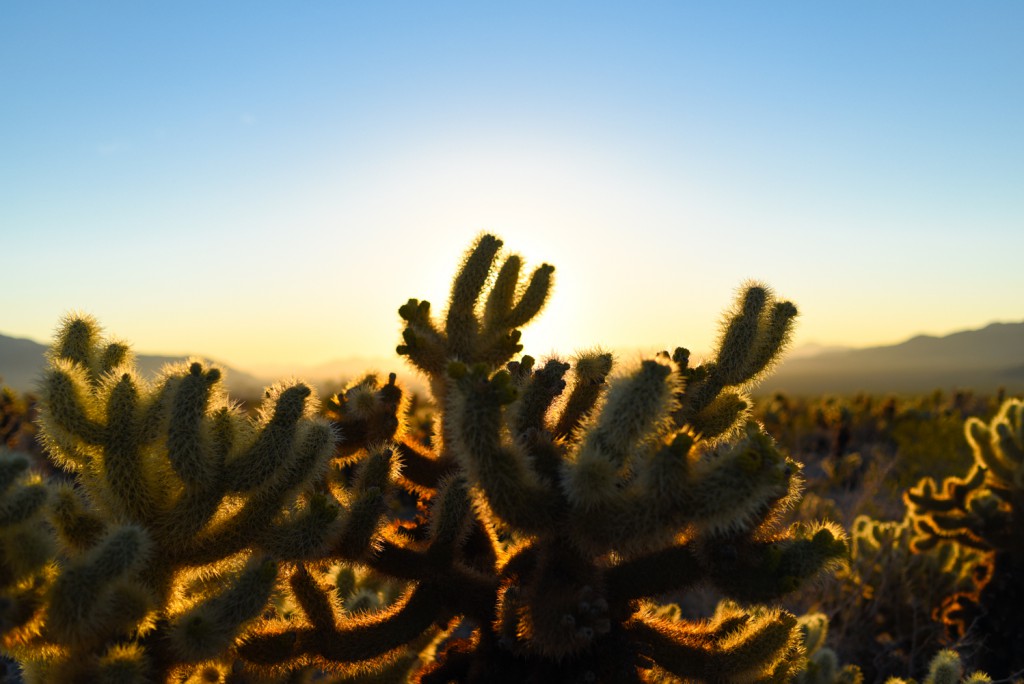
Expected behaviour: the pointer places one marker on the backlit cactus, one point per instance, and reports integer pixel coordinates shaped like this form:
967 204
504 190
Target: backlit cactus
822 665
891 607
526 541
946 668
27 551
564 500
171 539
985 510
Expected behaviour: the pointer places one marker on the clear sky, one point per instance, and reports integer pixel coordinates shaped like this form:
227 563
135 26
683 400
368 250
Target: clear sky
265 183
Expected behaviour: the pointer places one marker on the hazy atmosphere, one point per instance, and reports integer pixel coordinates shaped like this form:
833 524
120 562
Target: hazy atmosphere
266 183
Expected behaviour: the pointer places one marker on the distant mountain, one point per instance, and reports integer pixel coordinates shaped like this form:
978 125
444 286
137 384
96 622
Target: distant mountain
981 360
814 349
22 361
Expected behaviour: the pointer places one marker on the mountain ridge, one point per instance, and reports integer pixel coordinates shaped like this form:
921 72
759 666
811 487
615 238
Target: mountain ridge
983 360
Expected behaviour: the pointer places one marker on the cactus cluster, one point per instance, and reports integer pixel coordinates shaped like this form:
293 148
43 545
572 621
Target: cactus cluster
894 607
822 662
526 540
985 510
946 668
182 509
27 550
17 413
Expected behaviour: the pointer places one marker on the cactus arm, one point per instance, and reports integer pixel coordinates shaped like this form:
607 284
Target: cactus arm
367 413
470 336
773 338
424 345
123 664
534 297
211 627
753 337
502 296
740 337
980 440
636 407
449 520
537 390
356 639
309 451
752 651
461 323
86 594
508 483
77 527
367 506
766 571
72 414
76 343
318 602
720 415
190 450
123 463
266 458
590 371
421 467
305 534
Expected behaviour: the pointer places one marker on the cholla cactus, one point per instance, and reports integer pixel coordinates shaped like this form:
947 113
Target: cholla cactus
17 431
822 662
27 550
946 668
892 607
985 510
182 513
559 502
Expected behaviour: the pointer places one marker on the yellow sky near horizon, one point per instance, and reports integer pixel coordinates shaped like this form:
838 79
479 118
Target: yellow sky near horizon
273 194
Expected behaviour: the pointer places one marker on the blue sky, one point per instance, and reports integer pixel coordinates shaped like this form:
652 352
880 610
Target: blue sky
265 183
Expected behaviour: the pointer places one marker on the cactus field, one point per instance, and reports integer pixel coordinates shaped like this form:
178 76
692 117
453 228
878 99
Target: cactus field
574 518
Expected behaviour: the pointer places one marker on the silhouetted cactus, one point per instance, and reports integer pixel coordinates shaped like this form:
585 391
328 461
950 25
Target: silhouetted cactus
560 503
985 510
524 543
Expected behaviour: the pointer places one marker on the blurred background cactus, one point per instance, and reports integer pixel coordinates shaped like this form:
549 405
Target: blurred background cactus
891 608
823 665
985 510
947 668
27 550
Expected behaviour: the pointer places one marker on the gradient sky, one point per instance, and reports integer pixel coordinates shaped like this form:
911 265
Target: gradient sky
265 183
